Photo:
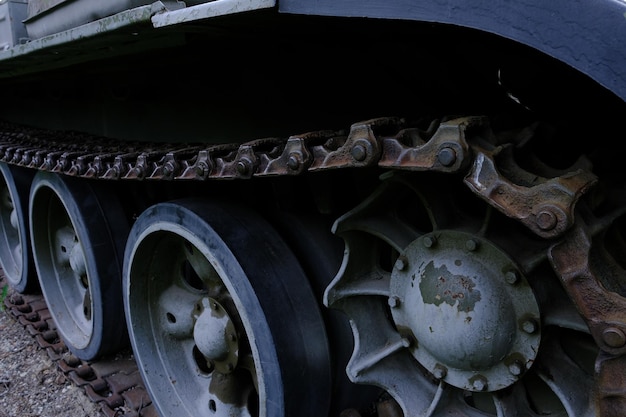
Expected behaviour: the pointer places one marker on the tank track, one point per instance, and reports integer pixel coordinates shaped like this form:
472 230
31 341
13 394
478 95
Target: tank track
463 145
386 142
114 383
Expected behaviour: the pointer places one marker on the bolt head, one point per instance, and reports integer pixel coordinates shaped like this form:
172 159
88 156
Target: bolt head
359 153
516 368
440 371
429 241
471 245
293 162
479 384
530 326
446 156
546 220
511 277
401 263
614 337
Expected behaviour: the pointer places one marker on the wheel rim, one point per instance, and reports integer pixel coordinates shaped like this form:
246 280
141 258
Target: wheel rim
15 254
208 331
78 264
458 325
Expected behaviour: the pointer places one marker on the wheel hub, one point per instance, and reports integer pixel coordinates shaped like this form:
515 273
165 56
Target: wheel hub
468 309
215 336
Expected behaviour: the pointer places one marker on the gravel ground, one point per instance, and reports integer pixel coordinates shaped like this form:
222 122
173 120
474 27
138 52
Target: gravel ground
30 383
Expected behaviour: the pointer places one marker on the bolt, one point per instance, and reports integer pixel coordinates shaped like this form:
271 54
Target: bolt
393 301
294 161
530 326
546 220
243 166
446 156
440 371
201 169
359 153
471 245
429 241
614 337
479 383
511 277
401 263
516 368
168 169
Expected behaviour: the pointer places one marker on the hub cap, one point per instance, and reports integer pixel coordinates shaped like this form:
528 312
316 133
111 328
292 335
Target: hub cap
469 312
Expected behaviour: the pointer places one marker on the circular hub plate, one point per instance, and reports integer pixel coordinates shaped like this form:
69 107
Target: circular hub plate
470 312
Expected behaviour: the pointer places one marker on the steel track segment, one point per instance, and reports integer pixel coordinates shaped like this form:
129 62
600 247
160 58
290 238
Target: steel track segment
114 382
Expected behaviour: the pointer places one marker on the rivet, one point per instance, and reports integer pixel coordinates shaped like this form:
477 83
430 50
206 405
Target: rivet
614 337
446 156
546 220
359 153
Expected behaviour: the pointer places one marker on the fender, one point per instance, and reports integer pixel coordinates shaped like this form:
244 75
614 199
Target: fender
588 35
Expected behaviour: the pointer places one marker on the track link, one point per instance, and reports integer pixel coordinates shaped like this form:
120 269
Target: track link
114 383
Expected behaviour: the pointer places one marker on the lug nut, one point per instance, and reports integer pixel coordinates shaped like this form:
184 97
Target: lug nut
479 384
440 371
393 301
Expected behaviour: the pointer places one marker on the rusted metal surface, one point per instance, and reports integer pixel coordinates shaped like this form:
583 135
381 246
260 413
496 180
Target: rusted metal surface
444 150
604 312
611 380
546 207
113 382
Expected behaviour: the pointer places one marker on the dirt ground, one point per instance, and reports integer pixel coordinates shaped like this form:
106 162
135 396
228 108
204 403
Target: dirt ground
30 383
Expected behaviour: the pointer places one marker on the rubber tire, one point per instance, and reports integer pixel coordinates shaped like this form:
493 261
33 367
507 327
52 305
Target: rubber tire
22 279
287 326
101 226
